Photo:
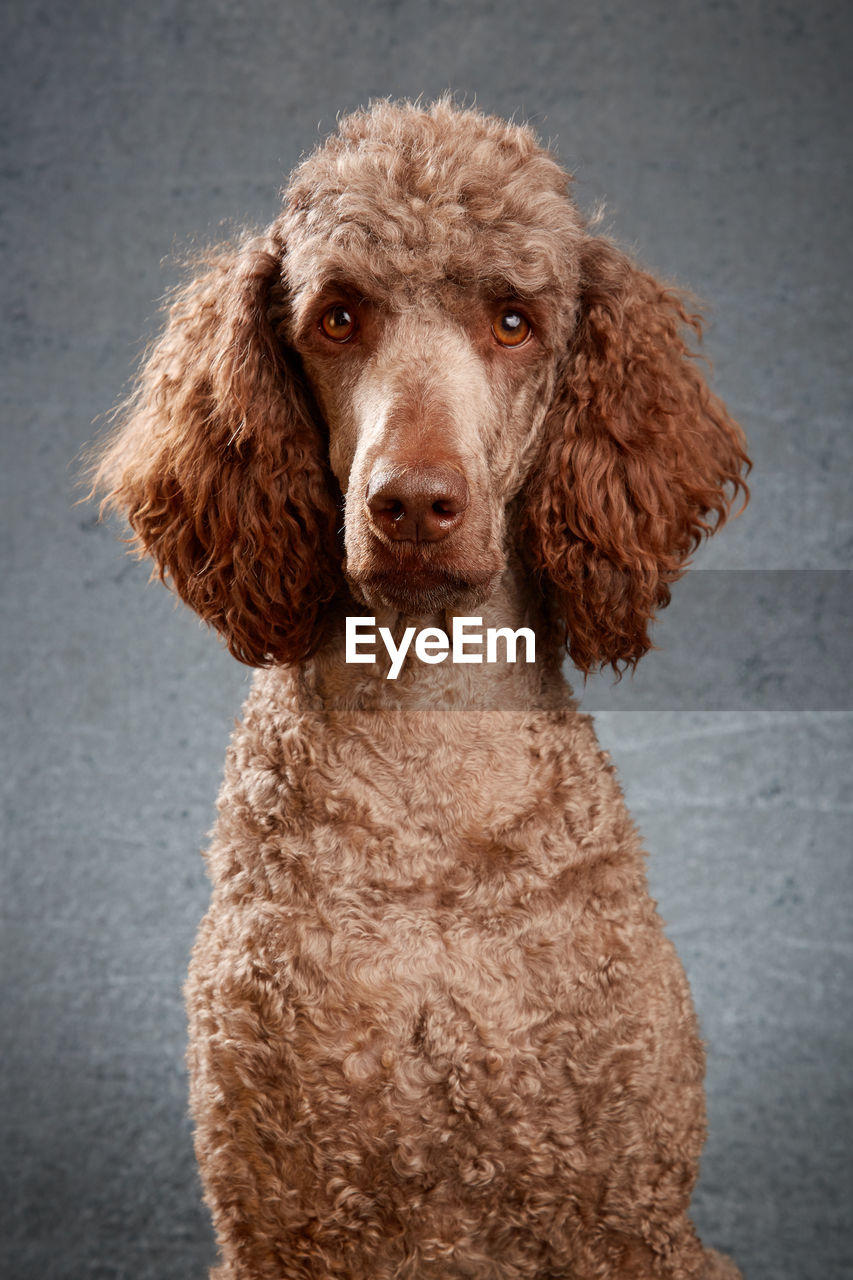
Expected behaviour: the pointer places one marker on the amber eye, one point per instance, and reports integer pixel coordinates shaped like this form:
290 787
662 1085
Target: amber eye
338 323
511 328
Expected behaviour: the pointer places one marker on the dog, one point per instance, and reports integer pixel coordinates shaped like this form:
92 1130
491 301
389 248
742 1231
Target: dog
436 1029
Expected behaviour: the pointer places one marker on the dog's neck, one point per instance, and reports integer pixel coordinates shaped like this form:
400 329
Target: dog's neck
333 680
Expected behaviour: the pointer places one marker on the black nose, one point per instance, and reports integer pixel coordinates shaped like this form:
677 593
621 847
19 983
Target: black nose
417 504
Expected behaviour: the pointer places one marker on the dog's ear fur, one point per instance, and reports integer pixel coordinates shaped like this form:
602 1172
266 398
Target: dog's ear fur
218 463
639 462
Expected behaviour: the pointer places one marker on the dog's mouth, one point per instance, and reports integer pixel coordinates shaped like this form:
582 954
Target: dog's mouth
425 593
419 589
422 578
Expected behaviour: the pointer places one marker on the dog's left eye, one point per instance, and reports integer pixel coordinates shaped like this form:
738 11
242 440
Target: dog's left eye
511 328
338 323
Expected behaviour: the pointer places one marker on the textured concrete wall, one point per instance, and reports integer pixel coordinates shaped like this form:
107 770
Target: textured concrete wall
718 135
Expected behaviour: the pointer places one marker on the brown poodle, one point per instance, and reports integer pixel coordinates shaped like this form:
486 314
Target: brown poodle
436 1027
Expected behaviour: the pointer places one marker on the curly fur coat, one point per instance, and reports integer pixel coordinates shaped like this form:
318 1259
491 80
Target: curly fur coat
436 1029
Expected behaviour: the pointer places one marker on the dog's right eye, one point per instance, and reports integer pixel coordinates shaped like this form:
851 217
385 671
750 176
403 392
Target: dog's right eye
338 323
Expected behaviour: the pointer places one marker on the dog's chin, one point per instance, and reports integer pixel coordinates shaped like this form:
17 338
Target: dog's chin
421 594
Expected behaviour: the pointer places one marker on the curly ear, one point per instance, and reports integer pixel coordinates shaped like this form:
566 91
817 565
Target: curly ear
219 466
639 462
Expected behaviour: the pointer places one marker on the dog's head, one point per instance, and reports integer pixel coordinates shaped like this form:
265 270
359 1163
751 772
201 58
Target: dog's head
426 355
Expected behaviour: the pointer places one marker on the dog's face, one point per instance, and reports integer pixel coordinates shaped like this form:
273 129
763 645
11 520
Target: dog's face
481 368
431 342
433 409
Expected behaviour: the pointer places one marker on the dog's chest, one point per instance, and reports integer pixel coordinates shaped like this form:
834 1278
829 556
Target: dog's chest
413 888
445 815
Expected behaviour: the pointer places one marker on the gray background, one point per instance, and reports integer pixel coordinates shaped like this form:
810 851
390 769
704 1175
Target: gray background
718 135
